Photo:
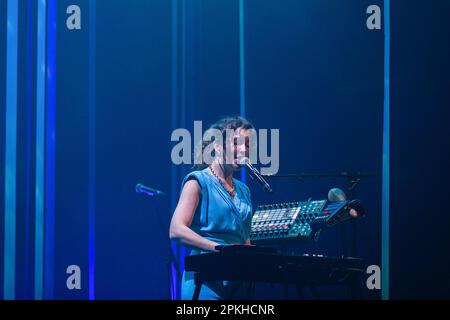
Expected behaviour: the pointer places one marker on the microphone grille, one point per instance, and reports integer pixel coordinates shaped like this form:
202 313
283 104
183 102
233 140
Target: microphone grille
243 161
336 195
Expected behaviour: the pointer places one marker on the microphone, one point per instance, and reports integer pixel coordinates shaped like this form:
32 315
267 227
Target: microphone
336 195
140 188
254 173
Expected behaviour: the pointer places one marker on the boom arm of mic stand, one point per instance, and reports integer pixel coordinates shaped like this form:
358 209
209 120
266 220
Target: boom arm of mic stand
343 174
322 175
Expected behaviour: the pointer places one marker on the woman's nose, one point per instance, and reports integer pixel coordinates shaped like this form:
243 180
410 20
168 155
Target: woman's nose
243 150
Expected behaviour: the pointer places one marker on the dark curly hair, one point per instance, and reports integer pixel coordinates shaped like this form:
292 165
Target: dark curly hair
231 122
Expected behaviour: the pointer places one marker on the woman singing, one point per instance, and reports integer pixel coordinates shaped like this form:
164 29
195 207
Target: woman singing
214 208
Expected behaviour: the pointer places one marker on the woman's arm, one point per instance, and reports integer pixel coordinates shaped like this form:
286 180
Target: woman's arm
182 219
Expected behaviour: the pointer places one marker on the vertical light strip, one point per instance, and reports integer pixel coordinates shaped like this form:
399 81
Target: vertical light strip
50 115
386 158
242 67
11 149
186 23
40 149
183 62
241 58
92 109
174 103
28 258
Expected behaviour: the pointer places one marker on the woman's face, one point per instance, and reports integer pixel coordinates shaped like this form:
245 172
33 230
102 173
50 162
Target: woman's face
236 147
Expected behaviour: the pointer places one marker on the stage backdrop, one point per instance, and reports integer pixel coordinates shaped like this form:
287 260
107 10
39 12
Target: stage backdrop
101 87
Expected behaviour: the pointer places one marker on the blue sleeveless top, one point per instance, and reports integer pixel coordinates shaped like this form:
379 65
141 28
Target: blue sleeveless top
218 217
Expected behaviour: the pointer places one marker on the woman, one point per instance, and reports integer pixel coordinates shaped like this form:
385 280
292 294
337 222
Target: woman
214 208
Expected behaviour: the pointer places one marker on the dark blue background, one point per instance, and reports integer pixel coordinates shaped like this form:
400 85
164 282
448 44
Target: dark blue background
420 142
313 70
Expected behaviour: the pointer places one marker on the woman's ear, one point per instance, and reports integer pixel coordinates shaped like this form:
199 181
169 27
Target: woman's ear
218 150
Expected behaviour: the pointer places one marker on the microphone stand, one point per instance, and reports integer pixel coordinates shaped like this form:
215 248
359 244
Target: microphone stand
171 259
353 182
343 174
